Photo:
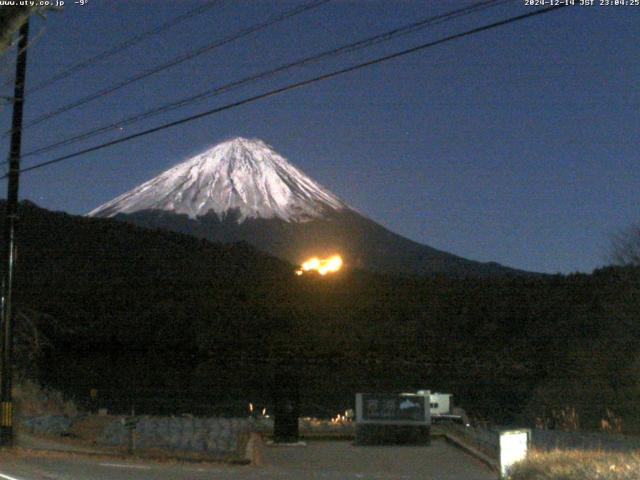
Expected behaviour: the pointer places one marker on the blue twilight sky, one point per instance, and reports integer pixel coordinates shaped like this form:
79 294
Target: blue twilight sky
518 145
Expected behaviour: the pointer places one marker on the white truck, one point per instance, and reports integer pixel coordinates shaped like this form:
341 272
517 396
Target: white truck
442 409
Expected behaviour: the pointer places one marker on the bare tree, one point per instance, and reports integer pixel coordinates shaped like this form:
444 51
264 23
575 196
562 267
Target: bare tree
11 18
625 246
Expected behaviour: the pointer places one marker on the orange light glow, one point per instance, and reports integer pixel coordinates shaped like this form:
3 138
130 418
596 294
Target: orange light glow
321 265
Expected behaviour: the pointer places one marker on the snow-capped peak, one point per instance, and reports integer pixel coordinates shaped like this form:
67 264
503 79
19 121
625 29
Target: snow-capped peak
242 175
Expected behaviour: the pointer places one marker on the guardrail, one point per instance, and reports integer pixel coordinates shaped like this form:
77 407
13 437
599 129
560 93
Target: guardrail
487 439
558 439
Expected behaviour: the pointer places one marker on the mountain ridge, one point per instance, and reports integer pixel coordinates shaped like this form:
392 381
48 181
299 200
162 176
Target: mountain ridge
242 190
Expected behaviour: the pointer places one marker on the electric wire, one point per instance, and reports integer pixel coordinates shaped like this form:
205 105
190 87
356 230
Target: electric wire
124 45
176 61
350 48
293 86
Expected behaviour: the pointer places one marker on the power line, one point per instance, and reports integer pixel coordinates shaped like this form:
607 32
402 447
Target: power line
178 60
352 47
124 45
294 86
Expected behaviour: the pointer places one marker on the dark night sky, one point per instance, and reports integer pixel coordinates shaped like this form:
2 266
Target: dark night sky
517 145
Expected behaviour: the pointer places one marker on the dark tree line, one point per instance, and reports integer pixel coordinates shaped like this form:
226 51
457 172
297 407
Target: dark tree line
179 325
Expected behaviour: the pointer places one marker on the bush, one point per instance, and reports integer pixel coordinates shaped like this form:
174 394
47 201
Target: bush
577 465
32 400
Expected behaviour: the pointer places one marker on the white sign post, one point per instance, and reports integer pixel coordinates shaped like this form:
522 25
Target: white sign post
513 448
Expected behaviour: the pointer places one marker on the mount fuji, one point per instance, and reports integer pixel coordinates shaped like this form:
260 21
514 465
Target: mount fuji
243 190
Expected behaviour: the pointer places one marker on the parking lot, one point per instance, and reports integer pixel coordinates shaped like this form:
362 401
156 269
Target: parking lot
316 460
341 459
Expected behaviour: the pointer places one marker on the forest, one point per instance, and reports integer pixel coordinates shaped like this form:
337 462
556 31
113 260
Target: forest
174 324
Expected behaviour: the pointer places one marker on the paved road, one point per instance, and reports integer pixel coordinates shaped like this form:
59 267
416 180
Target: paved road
319 460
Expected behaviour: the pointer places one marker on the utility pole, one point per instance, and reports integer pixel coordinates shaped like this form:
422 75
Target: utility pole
9 245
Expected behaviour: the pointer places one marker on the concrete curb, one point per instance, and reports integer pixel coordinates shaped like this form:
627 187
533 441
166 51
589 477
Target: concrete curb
28 443
138 455
33 442
460 443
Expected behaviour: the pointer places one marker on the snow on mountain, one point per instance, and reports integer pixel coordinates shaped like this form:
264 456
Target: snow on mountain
242 175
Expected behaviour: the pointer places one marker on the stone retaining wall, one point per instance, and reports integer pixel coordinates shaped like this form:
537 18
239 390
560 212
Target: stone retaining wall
219 436
48 424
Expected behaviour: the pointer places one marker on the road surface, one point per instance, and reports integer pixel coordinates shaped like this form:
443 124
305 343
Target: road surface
318 460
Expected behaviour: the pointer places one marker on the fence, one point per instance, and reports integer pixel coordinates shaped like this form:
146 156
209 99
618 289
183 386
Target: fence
557 439
487 439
